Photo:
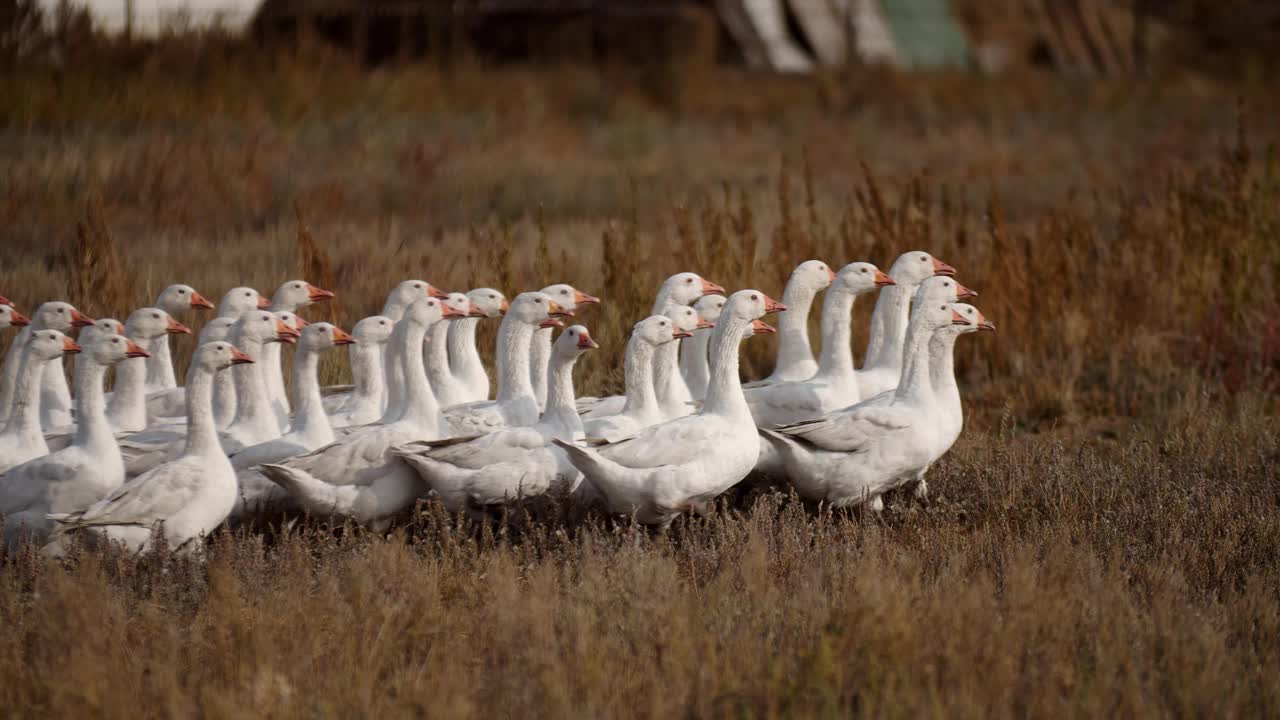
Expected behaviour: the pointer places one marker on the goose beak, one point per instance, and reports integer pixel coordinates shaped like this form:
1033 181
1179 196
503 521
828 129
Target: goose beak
239 358
449 312
957 318
762 327
316 294
17 319
176 328
198 302
5 301
704 324
551 323
773 306
263 304
504 307
586 343
678 334
985 324
436 293
555 309
79 319
710 288
286 334
474 310
119 329
300 323
831 275
342 337
582 298
941 268
963 292
883 280
69 346
133 350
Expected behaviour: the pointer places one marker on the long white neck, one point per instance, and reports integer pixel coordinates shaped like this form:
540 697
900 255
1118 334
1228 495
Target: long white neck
514 337
942 374
92 428
160 366
308 414
437 360
128 408
539 357
24 419
561 414
224 399
273 373
914 386
693 363
724 394
667 380
394 309
13 361
836 360
889 327
202 433
464 356
638 374
252 402
419 406
366 373
793 327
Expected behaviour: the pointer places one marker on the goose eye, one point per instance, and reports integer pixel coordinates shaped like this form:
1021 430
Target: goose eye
538 300
155 316
115 342
572 334
944 307
755 297
946 284
182 292
417 285
688 280
863 271
248 294
60 311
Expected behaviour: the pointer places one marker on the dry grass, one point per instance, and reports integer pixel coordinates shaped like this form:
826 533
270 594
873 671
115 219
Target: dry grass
1104 539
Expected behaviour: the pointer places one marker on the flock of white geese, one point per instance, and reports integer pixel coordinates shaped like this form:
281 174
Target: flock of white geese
154 459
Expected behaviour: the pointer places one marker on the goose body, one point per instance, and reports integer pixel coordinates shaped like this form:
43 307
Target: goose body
22 438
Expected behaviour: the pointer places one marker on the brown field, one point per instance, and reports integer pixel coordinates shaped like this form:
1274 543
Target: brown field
1103 541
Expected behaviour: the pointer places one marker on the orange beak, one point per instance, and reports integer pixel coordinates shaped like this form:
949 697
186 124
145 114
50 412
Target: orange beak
555 309
504 307
286 334
963 292
318 295
832 273
941 268
199 303
681 334
17 319
133 350
342 337
436 293
773 306
176 328
582 298
5 301
550 323
79 319
300 322
586 343
882 279
958 319
474 310
710 288
450 312
705 324
239 358
762 327
69 346
985 324
263 304
119 329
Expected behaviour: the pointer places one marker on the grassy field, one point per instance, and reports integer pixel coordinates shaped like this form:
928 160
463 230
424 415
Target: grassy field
1103 540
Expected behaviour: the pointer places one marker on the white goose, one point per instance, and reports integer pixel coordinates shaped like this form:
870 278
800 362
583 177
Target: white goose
175 299
685 463
58 316
693 351
360 477
795 354
883 363
473 473
569 298
80 474
240 300
678 400
288 298
448 390
405 294
127 404
464 356
515 405
310 427
182 500
224 388
365 402
10 317
856 455
22 438
835 384
641 409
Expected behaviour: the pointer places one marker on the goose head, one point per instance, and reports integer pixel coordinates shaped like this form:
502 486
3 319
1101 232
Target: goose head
99 328
462 303
911 268
975 320
657 330
683 288
293 322
111 348
538 309
574 341
178 298
10 317
294 294
51 344
938 315
323 336
429 311
216 329
408 292
146 324
218 355
813 275
749 306
373 330
61 316
686 320
569 297
942 288
709 307
240 300
491 302
858 278
264 326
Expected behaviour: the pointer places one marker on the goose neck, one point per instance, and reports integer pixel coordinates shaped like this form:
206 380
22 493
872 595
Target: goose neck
539 360
889 327
562 412
793 327
91 411
128 406
202 432
942 374
837 320
308 408
666 370
638 375
464 356
160 365
693 362
514 382
914 385
437 355
724 393
24 419
366 359
419 405
250 383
